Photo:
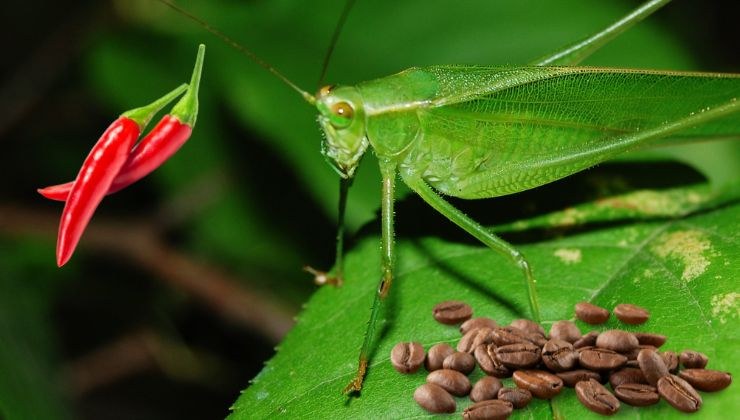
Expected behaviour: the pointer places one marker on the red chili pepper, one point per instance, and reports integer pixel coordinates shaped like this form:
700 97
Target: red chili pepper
98 171
155 148
113 152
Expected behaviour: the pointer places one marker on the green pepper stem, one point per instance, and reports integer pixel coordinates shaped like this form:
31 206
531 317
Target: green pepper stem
144 114
186 110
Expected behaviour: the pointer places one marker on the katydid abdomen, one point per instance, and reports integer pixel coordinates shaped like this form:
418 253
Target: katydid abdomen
476 132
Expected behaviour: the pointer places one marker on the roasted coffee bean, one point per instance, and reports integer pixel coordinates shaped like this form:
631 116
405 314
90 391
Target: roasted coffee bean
485 355
691 359
489 410
671 360
537 339
627 376
475 338
518 356
650 339
407 357
632 354
572 377
631 314
518 397
541 384
452 312
566 331
436 356
466 342
586 340
652 366
485 389
706 379
559 355
459 361
582 349
434 399
451 381
638 395
617 340
632 364
529 326
479 322
596 398
591 314
503 336
679 393
600 359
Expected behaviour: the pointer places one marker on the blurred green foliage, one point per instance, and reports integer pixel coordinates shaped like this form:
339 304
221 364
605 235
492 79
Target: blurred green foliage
250 192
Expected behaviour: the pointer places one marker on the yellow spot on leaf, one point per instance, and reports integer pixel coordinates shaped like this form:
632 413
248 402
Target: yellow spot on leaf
569 217
725 306
654 203
568 255
647 274
690 247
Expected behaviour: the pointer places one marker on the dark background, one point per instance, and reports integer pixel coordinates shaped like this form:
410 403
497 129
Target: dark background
185 282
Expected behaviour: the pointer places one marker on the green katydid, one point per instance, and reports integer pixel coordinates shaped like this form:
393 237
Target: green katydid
478 132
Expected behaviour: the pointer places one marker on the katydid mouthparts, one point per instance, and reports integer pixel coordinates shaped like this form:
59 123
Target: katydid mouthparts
481 132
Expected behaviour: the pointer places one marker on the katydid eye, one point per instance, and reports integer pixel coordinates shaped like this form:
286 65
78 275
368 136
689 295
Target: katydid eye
342 113
342 109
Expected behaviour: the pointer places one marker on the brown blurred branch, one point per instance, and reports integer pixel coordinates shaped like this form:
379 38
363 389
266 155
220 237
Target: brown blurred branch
140 242
134 353
126 356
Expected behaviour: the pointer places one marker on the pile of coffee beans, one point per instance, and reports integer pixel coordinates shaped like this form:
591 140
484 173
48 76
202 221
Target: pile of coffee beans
541 364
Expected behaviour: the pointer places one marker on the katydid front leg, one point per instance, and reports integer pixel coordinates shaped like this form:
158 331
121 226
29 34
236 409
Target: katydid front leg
336 276
388 173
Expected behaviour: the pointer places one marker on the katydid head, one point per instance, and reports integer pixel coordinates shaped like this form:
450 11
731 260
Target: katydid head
343 120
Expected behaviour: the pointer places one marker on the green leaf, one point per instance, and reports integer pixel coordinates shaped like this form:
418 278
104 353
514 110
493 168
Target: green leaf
681 269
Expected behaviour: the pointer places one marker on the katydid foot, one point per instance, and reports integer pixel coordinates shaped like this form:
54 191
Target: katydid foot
321 278
355 385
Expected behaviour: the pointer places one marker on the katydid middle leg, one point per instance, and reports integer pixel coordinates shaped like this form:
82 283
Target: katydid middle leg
419 186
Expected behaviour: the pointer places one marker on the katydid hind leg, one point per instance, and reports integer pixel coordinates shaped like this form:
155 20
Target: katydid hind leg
572 54
388 171
497 244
